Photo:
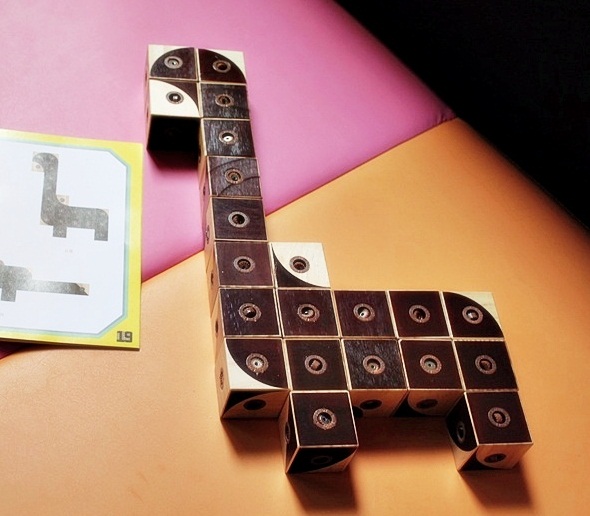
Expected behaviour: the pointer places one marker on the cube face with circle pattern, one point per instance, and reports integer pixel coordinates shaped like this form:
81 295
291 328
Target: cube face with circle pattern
485 365
434 381
315 364
418 314
173 116
238 264
245 312
251 378
220 100
488 430
363 313
377 380
299 265
229 177
172 63
290 347
469 319
318 432
308 312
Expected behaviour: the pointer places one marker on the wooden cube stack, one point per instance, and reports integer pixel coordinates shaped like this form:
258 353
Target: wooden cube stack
290 347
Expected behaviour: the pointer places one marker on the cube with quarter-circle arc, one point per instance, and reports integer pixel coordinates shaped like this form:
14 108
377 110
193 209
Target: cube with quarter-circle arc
251 378
299 265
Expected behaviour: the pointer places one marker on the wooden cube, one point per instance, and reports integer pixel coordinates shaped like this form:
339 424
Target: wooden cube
363 313
377 381
233 219
299 265
418 314
226 137
245 312
433 377
488 430
307 313
221 66
469 318
221 100
243 263
173 116
318 432
315 364
485 365
229 177
172 100
251 378
171 62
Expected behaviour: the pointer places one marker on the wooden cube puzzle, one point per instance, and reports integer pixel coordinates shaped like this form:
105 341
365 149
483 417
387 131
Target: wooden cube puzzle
287 345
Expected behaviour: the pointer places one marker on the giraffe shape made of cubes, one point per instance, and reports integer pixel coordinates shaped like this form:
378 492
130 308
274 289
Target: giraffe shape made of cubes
290 347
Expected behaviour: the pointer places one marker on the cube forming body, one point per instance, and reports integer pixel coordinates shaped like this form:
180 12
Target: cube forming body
315 364
377 380
245 312
238 264
433 376
251 378
307 313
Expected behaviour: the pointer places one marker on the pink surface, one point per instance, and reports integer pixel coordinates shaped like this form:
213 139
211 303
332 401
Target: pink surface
324 95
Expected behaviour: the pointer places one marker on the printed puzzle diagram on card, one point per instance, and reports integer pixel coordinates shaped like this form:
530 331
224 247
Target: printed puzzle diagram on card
70 240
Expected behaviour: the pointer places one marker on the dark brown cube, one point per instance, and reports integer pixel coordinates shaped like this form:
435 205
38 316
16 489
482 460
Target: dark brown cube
485 365
233 219
242 312
376 374
251 378
227 137
229 177
307 313
363 313
220 100
418 314
488 430
433 376
238 264
318 432
316 365
469 319
220 67
165 62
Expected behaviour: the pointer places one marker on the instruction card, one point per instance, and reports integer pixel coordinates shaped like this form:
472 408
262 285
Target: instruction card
70 231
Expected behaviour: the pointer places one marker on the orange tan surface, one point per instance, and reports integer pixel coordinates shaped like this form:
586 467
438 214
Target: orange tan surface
89 431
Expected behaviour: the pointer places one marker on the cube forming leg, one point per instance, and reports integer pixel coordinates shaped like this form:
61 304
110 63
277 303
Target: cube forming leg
318 432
